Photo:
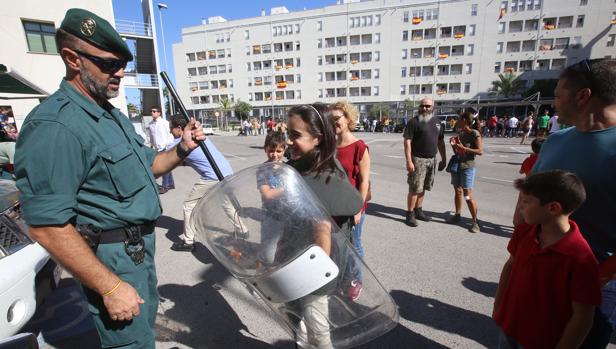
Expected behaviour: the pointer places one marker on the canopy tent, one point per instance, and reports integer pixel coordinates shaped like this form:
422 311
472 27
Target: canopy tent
14 86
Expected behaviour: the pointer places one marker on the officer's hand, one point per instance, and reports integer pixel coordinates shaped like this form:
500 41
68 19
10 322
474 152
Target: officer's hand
441 165
193 133
123 303
410 167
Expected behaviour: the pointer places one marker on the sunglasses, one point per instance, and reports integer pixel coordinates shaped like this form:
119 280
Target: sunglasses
107 65
425 106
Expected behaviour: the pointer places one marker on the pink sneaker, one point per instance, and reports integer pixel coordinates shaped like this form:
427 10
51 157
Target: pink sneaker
354 290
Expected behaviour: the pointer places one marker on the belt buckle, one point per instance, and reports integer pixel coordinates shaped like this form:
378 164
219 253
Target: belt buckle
134 245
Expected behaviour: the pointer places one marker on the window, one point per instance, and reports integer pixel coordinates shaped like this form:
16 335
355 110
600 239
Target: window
580 21
497 67
561 43
403 72
467 87
320 26
246 34
468 68
501 27
296 28
377 38
405 53
376 73
192 71
377 56
499 47
319 43
40 37
402 89
471 29
474 10
405 35
470 49
611 40
405 17
190 57
377 19
202 70
583 2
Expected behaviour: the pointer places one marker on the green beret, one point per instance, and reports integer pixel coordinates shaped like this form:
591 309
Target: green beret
95 30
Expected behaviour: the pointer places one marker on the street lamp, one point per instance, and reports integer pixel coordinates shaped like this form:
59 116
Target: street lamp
162 7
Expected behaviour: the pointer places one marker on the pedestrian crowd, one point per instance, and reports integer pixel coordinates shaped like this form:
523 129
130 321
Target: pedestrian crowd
89 193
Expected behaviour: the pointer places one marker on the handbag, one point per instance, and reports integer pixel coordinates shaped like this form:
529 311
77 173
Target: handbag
356 166
453 164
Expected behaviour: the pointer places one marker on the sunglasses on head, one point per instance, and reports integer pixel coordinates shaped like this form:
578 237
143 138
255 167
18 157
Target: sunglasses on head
108 65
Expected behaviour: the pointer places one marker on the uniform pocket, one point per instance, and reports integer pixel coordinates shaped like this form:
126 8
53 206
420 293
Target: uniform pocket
124 168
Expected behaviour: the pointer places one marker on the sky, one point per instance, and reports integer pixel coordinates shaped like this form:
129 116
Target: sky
186 13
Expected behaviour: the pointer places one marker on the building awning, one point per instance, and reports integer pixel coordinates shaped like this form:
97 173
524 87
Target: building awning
14 86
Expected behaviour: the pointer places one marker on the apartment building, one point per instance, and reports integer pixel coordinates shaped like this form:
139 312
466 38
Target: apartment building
386 51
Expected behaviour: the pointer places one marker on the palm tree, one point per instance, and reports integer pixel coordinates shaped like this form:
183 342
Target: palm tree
507 85
225 106
242 109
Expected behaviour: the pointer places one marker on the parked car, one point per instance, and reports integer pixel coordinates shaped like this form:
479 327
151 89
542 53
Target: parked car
208 129
446 121
27 273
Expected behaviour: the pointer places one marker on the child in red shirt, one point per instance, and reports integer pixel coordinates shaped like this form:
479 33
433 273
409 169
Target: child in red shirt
549 287
529 162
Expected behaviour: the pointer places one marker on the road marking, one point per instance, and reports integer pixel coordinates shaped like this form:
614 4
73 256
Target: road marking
394 156
234 156
497 179
382 140
518 150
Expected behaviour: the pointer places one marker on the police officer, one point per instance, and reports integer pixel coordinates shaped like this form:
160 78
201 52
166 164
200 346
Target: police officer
88 182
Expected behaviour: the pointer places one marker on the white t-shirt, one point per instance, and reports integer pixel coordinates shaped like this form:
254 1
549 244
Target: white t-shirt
160 135
513 122
554 125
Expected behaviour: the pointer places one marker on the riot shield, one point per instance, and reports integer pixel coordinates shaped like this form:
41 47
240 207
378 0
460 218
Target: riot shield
279 241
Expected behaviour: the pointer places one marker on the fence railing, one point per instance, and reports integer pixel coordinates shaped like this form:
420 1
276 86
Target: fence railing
131 27
140 80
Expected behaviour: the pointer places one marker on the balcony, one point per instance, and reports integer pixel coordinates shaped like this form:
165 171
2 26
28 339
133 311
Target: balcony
133 28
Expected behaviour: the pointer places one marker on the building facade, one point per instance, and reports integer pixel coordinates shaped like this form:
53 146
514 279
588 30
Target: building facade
386 51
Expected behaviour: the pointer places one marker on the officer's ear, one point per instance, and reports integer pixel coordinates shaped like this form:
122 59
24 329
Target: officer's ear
71 59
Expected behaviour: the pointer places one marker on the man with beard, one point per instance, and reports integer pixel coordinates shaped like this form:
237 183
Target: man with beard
585 97
423 137
87 183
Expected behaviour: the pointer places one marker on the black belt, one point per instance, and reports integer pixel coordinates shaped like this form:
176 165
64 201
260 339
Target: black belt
120 235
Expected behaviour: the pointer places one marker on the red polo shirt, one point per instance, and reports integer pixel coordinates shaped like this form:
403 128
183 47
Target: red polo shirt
543 283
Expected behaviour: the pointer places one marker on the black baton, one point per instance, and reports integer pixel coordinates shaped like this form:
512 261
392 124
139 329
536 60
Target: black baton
178 102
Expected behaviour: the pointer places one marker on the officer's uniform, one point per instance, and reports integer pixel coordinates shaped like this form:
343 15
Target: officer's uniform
80 163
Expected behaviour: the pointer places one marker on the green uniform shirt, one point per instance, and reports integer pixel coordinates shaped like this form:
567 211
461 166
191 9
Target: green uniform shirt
543 121
78 162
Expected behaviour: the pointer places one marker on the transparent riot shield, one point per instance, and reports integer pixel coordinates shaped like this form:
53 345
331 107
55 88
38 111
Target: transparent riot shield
268 229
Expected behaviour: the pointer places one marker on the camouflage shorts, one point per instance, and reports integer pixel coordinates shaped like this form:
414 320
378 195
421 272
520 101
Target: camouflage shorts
423 177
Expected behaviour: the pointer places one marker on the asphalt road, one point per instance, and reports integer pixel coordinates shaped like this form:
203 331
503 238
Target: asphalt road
442 277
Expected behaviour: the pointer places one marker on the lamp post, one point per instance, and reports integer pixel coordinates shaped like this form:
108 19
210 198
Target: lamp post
162 7
415 55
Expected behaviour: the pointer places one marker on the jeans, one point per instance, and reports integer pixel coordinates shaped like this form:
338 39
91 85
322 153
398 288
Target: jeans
605 318
356 235
168 180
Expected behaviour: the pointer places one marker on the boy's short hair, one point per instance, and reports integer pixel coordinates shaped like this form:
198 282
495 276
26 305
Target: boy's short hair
536 144
178 120
275 139
563 187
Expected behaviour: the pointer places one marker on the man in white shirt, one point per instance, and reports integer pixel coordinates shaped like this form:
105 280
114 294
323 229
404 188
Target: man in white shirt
553 124
160 137
513 126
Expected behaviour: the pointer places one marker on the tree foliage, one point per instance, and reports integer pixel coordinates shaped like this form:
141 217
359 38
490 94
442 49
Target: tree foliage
507 85
242 109
379 110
